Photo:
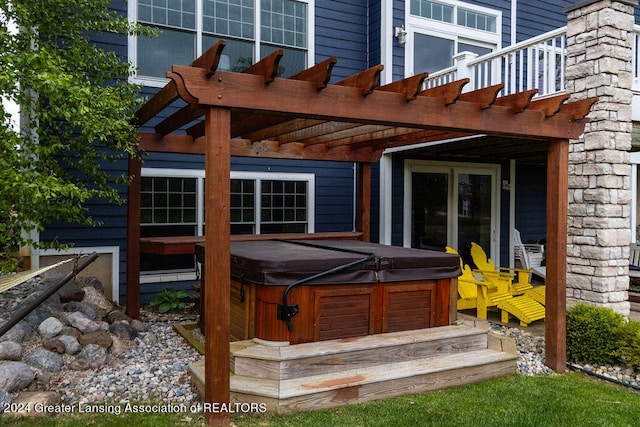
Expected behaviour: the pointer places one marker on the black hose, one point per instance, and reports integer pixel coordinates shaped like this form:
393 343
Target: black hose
287 311
24 311
602 377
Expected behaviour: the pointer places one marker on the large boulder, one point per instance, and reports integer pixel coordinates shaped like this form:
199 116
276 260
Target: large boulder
122 329
15 376
71 344
86 309
5 400
10 350
50 327
45 360
91 281
102 338
94 354
81 322
18 333
96 299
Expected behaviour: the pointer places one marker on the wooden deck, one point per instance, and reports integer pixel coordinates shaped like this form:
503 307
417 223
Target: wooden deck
290 378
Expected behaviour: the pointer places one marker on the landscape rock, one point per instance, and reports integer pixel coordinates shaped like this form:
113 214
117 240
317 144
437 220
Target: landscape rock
138 325
45 360
102 326
91 281
98 301
70 330
123 330
79 365
50 327
15 376
101 338
117 315
29 399
37 316
82 308
10 350
47 308
71 344
16 334
5 400
118 347
71 291
54 345
81 322
94 354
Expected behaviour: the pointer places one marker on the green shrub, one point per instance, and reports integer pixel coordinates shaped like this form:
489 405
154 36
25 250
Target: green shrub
629 350
170 299
594 334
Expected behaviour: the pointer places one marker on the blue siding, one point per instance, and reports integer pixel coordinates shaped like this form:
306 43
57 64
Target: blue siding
531 202
538 17
374 32
341 31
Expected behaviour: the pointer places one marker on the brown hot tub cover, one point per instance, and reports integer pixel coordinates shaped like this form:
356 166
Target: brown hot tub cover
275 262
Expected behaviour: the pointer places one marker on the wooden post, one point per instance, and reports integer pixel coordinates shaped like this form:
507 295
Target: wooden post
133 238
364 201
217 263
556 281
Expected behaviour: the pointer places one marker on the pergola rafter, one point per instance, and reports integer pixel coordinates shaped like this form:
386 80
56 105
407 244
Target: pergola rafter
256 114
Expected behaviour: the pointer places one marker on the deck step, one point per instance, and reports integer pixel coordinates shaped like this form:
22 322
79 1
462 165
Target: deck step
303 376
285 362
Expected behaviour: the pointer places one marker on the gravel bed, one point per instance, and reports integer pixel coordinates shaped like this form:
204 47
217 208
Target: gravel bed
153 368
531 359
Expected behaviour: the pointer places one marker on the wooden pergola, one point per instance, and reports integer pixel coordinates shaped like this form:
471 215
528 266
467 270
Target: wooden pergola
256 114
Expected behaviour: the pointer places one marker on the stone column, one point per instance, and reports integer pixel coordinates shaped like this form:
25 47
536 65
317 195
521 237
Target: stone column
599 51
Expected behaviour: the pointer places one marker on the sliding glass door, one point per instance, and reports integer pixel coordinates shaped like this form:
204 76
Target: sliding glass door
451 205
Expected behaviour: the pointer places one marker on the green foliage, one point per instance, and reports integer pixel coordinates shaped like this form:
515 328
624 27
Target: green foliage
629 350
76 114
170 299
594 334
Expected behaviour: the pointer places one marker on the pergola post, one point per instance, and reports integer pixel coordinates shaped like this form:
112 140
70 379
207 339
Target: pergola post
364 201
133 238
556 281
217 262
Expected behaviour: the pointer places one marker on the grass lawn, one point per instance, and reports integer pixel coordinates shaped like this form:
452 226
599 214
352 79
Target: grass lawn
556 400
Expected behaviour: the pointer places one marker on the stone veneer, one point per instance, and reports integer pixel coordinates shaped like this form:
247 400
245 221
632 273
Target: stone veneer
599 51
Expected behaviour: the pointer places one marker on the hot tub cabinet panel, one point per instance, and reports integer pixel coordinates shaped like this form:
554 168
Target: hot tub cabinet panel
416 292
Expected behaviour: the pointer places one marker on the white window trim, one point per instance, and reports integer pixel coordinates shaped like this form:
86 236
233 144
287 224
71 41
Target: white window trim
114 251
457 33
132 45
283 176
493 170
310 178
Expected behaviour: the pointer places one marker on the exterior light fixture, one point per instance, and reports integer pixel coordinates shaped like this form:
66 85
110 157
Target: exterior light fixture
401 34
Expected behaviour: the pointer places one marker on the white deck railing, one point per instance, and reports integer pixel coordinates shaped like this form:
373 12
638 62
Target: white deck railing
537 63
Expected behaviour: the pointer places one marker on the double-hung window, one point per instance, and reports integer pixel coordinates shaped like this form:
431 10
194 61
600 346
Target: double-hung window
251 28
172 204
437 30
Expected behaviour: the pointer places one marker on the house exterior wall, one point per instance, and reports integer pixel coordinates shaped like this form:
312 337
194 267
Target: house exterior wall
352 31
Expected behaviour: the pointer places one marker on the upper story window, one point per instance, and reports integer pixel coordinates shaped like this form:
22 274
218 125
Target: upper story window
252 29
438 30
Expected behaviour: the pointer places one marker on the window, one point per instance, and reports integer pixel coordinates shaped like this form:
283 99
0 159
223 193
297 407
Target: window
172 204
439 30
252 29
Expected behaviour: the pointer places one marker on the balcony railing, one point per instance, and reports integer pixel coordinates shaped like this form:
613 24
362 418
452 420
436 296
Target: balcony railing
537 63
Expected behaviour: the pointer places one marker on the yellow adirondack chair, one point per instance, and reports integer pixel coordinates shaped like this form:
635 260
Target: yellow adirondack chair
484 294
518 280
478 294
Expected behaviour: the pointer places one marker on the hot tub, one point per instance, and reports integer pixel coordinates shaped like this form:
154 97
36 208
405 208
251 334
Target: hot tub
336 289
